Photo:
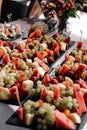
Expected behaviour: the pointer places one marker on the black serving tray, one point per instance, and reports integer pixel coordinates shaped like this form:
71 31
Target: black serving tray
61 59
51 69
14 102
12 38
61 54
13 120
16 37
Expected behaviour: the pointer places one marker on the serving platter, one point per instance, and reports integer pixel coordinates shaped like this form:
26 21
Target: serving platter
75 54
53 66
15 45
14 102
10 31
13 120
61 58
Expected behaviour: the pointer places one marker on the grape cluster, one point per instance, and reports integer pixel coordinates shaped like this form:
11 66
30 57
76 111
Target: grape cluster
11 76
30 107
66 103
36 90
43 115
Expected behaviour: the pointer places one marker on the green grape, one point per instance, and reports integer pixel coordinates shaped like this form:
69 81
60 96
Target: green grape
49 99
36 104
41 111
63 92
70 92
80 52
8 49
70 99
75 104
1 82
23 65
38 83
40 38
46 115
31 92
57 69
12 74
28 102
8 78
29 73
27 109
30 55
69 105
17 76
36 42
67 92
74 52
38 90
66 103
48 39
53 107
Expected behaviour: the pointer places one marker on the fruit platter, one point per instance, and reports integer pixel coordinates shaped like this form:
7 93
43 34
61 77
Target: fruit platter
14 71
58 106
9 32
46 48
21 65
74 64
57 101
45 101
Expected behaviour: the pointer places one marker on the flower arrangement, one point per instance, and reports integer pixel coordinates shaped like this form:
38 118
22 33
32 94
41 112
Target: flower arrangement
63 9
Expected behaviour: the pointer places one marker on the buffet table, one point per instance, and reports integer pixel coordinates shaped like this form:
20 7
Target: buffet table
76 25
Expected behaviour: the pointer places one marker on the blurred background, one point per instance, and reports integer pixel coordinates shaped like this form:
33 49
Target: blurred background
21 9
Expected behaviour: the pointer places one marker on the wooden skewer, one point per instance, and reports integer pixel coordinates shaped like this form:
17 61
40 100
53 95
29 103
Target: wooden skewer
81 35
19 102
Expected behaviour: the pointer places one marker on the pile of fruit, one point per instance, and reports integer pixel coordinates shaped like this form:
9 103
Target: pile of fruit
60 101
22 66
10 31
54 102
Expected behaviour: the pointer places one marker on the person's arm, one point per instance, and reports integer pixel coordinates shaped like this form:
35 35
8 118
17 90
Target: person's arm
36 10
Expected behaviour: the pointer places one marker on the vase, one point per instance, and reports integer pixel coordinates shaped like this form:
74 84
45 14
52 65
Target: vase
62 27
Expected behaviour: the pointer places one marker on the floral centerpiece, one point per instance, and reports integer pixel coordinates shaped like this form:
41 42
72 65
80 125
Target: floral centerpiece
63 9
